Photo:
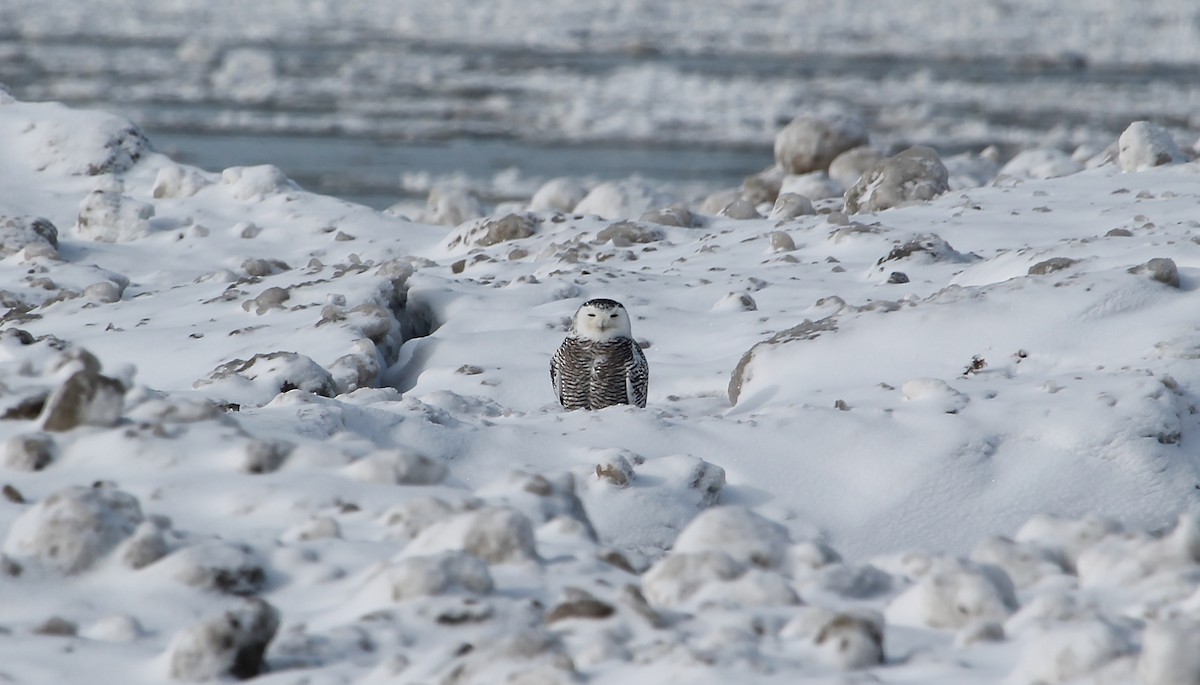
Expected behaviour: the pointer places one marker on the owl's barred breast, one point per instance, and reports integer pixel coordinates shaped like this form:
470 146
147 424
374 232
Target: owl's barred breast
597 374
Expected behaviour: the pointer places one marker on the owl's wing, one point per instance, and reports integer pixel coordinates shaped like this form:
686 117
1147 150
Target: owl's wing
637 377
556 375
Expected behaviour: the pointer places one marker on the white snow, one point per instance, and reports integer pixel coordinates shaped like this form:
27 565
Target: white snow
306 426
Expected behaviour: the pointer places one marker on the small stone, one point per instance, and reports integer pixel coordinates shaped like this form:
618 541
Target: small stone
266 456
30 452
86 398
781 242
1051 265
897 277
56 627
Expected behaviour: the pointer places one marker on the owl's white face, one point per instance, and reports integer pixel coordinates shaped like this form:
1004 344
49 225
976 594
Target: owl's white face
601 320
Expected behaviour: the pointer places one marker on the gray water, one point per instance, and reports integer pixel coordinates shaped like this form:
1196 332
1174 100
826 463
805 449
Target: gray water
369 171
377 120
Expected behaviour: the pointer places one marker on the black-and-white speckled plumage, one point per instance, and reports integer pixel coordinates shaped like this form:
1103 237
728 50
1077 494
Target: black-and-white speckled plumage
599 364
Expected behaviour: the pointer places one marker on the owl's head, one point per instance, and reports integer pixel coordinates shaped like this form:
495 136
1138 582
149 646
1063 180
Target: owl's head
600 320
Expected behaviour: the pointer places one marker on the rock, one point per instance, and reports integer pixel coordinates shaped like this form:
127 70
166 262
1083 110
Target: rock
175 181
147 546
86 398
914 175
451 207
781 242
1144 145
677 577
614 200
558 195
743 373
406 520
232 644
811 143
81 142
398 467
951 597
219 567
1161 269
1051 265
746 537
498 535
73 529
105 292
450 572
29 452
926 248
319 528
850 165
735 302
264 267
542 499
816 185
110 217
1039 164
671 216
789 206
740 209
934 394
271 298
713 204
115 628
843 639
511 227
762 188
19 232
56 626
359 369
258 380
488 232
247 183
266 456
582 605
628 233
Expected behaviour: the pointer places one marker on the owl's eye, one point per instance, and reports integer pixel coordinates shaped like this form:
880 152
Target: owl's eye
612 316
592 316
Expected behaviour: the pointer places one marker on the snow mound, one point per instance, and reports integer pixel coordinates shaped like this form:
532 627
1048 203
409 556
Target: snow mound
1144 145
74 529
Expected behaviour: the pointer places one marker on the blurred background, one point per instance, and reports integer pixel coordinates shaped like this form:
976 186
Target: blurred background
381 101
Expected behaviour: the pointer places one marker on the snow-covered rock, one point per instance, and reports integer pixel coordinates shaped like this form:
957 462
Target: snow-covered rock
811 143
110 217
746 537
954 596
914 175
74 529
621 200
1040 163
1144 145
558 195
789 206
232 644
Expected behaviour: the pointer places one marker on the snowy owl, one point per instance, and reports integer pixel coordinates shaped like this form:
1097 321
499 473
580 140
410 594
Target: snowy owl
599 364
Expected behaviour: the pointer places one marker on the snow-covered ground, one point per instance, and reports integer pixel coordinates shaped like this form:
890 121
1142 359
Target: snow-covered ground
253 430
